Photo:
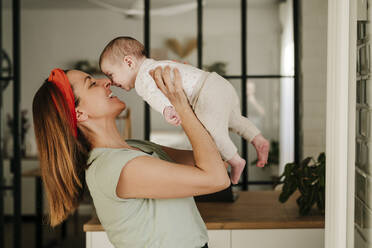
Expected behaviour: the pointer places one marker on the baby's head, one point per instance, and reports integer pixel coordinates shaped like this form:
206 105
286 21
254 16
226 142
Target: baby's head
120 61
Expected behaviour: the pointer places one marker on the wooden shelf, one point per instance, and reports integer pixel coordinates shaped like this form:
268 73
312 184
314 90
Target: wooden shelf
252 210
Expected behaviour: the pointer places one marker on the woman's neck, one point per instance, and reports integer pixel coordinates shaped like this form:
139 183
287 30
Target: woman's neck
108 135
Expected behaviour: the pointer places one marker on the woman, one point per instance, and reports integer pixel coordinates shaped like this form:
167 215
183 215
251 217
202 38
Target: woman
142 191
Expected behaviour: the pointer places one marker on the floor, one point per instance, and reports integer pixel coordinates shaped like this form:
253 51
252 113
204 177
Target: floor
51 237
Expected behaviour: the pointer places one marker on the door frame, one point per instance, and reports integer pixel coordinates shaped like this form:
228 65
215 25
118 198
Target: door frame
340 124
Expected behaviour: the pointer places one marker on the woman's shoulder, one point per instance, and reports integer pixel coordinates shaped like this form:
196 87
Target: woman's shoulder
105 166
149 148
104 155
137 142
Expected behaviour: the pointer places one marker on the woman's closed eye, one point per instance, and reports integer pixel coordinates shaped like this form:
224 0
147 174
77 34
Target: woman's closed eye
92 83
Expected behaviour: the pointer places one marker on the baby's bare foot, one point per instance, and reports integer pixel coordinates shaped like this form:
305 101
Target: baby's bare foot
262 147
237 167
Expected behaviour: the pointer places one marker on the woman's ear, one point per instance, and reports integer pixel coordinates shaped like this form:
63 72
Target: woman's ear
81 115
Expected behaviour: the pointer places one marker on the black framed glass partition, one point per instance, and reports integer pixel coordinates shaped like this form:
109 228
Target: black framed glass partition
254 45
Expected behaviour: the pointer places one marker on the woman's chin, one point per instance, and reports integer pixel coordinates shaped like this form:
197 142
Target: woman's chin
116 106
121 107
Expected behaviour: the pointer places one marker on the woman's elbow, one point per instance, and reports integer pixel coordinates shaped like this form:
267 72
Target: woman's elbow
225 183
220 183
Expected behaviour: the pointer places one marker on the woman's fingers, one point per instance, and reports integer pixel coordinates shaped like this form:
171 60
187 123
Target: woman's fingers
151 72
159 79
172 89
177 79
167 79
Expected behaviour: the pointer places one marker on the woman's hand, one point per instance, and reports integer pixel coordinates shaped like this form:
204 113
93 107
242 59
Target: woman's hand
172 89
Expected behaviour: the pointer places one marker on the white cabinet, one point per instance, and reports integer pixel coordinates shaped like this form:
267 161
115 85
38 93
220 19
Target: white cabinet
219 238
278 238
249 238
97 240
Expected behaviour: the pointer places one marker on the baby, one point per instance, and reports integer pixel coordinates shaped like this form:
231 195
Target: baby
212 98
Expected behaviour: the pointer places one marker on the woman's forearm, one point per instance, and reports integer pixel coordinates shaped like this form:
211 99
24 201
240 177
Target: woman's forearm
206 155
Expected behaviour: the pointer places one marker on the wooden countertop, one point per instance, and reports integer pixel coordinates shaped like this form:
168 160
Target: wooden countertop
252 210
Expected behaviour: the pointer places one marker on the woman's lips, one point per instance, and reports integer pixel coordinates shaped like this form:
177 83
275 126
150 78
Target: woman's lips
111 96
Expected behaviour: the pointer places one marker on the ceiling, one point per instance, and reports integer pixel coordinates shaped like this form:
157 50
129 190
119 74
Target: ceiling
127 4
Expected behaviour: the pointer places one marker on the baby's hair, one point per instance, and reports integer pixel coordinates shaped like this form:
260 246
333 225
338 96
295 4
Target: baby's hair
122 46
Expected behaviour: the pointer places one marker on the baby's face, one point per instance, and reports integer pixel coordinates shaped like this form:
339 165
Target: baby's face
120 73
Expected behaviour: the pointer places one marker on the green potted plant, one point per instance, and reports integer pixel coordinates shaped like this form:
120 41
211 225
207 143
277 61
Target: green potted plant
308 177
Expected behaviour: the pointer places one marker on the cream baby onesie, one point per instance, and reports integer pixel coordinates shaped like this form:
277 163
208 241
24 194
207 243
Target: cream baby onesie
212 98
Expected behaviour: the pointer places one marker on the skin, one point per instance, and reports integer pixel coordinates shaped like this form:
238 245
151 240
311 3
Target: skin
197 172
123 71
123 74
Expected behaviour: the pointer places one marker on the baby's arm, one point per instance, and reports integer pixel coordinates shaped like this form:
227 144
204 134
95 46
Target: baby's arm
157 100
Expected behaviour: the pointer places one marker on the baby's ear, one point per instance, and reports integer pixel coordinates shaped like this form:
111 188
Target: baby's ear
129 61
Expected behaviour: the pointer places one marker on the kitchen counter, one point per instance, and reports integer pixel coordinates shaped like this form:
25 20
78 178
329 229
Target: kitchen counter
252 210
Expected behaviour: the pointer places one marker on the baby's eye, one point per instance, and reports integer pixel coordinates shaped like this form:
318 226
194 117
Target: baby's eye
93 83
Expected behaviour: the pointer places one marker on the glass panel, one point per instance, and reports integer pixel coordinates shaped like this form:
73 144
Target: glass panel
364 122
360 185
366 229
263 101
358 212
175 39
222 37
359 241
172 40
361 92
264 36
362 154
367 92
363 60
368 201
361 30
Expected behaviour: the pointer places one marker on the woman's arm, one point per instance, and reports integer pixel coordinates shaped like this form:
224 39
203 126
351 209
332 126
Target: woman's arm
182 156
148 177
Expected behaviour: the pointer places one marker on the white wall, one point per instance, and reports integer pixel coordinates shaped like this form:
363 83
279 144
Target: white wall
314 63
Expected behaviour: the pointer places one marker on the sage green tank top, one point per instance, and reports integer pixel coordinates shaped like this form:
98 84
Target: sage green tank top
132 223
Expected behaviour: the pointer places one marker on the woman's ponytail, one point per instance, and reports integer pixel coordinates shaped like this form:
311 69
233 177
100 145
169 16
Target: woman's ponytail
63 157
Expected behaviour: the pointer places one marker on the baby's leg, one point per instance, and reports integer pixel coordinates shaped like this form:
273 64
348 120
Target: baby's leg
219 132
237 166
245 128
213 110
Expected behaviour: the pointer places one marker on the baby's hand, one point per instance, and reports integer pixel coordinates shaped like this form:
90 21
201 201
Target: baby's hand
171 116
